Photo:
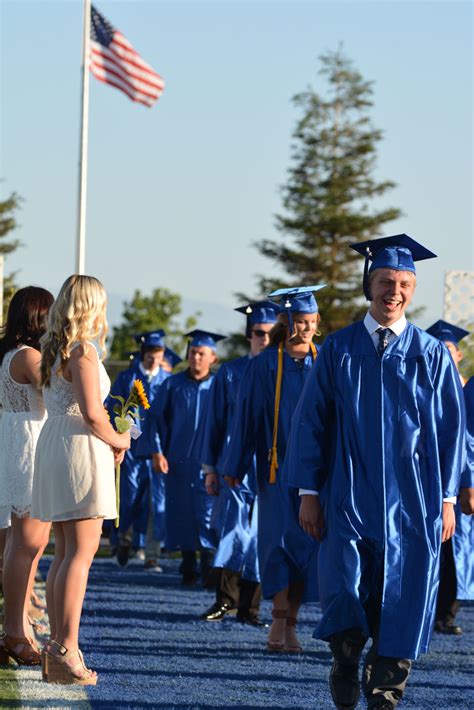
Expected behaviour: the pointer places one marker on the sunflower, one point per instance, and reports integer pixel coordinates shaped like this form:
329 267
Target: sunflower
141 394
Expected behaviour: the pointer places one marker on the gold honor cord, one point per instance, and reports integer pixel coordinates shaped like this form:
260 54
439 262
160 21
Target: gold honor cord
273 454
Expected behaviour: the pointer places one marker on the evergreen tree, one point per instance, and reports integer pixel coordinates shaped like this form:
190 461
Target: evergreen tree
8 223
326 199
145 313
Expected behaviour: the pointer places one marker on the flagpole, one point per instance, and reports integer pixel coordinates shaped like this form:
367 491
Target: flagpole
84 134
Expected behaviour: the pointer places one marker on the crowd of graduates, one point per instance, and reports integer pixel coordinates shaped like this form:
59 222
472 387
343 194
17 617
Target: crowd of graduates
341 474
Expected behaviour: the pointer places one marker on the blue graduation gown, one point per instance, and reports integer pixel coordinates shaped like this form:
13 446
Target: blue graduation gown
234 515
173 421
463 539
135 471
286 554
383 440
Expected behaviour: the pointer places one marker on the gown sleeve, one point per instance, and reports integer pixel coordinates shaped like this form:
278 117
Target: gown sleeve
246 422
450 424
158 420
467 477
213 426
307 456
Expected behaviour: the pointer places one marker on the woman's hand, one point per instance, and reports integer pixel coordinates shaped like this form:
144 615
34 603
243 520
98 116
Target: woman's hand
118 456
122 442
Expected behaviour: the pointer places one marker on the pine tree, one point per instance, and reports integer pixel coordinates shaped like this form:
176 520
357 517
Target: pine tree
326 199
8 223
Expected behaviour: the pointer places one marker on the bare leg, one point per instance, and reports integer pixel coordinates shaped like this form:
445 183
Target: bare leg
59 550
3 541
82 538
295 595
276 635
29 537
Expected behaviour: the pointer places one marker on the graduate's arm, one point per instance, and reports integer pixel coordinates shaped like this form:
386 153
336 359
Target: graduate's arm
245 425
158 428
451 432
308 451
25 367
466 494
214 432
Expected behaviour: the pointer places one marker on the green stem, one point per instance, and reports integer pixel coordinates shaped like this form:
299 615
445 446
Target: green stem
117 493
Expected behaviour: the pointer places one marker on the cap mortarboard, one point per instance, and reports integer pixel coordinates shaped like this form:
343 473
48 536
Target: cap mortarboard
398 252
202 338
132 355
171 357
447 332
259 312
299 299
151 339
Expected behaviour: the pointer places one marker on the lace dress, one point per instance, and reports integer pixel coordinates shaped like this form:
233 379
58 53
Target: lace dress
22 419
74 470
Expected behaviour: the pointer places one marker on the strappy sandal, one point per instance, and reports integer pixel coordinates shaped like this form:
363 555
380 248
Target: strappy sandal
28 655
60 670
291 622
276 646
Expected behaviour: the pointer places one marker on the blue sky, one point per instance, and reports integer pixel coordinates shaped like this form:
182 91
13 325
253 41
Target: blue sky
178 193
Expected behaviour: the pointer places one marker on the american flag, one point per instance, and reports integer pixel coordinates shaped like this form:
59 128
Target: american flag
114 61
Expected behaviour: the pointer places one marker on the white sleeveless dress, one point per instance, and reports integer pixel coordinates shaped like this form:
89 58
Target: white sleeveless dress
23 416
74 469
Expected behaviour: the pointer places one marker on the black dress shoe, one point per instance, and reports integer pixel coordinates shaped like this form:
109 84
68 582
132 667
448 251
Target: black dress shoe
218 611
245 617
444 628
382 705
345 686
123 554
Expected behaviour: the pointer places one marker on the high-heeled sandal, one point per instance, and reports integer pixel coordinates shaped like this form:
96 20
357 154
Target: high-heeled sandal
28 655
62 672
277 646
291 621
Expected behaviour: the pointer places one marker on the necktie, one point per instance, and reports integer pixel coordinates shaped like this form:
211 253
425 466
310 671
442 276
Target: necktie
383 339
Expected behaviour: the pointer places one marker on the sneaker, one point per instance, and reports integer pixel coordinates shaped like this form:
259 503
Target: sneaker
153 566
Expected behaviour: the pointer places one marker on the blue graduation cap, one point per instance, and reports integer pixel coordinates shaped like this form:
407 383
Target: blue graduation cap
202 338
447 332
258 312
171 357
298 299
398 252
151 339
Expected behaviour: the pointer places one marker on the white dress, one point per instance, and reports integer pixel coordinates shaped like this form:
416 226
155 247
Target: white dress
23 417
74 469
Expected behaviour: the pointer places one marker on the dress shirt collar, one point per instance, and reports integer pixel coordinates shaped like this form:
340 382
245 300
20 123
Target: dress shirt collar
149 374
397 328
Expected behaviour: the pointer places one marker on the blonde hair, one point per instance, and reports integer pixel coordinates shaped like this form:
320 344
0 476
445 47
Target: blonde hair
76 316
279 332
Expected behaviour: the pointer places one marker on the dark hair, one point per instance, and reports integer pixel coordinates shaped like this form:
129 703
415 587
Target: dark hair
26 319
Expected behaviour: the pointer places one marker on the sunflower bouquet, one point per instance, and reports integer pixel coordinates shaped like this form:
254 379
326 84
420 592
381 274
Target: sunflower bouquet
127 412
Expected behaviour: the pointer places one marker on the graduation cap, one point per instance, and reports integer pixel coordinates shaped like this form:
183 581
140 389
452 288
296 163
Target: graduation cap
171 357
447 332
258 312
298 299
132 355
202 338
398 252
151 339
